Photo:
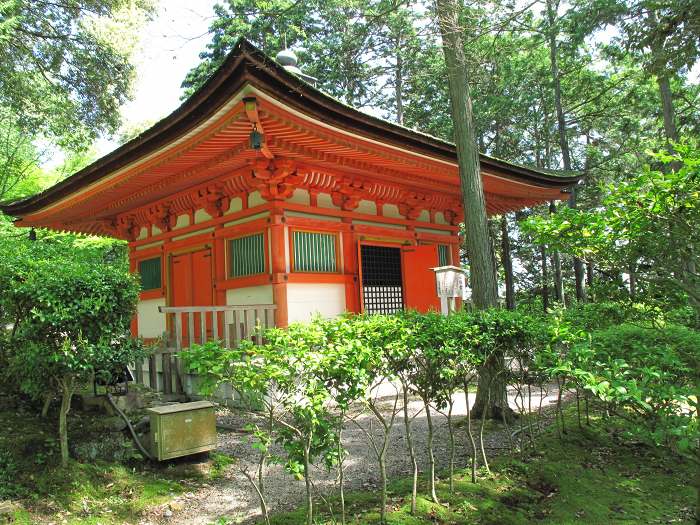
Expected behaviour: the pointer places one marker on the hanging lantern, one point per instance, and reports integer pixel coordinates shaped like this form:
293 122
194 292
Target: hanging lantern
256 139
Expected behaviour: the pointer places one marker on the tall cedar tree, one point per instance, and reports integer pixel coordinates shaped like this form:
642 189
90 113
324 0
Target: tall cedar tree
491 397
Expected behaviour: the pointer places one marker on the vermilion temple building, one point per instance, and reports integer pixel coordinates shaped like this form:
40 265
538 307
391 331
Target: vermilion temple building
261 190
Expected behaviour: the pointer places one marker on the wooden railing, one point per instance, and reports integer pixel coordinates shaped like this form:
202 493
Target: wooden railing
187 325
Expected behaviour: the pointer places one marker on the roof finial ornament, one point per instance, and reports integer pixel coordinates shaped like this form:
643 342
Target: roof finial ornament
288 60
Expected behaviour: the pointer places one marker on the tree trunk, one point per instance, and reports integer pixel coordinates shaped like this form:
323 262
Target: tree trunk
66 397
507 263
545 279
481 264
552 6
556 263
666 94
398 80
431 454
484 288
411 450
307 481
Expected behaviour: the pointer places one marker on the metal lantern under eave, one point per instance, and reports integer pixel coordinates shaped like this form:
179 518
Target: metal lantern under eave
450 282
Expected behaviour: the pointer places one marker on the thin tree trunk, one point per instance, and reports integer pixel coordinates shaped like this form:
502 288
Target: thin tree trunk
469 430
47 405
451 433
307 481
545 279
66 397
431 454
411 450
507 262
666 95
552 6
481 264
484 288
398 80
556 263
341 471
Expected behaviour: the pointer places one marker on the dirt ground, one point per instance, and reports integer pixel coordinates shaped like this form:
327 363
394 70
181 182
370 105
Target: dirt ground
234 498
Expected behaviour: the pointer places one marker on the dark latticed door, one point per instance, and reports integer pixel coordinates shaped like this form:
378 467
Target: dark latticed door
382 288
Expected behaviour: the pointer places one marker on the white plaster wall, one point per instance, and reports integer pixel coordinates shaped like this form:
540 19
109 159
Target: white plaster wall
424 216
367 207
254 199
300 196
143 233
201 216
235 205
324 200
155 230
249 295
440 218
151 321
304 300
392 211
182 221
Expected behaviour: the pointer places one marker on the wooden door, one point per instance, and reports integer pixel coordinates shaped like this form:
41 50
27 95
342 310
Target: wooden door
418 278
192 285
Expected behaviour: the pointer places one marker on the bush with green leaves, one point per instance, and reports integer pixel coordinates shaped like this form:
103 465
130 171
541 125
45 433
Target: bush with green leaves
69 319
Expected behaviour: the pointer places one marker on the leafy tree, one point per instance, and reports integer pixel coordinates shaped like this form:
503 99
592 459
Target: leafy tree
69 320
63 73
649 223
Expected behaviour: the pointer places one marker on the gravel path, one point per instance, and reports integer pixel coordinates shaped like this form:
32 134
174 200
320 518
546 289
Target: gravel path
234 497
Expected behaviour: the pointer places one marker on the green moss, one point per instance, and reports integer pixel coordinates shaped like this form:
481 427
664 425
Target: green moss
220 463
98 492
593 475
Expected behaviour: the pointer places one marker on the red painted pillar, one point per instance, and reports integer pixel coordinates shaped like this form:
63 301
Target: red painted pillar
279 267
351 268
135 317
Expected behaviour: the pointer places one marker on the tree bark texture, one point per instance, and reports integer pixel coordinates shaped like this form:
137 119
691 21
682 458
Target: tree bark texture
552 6
545 278
481 263
507 262
556 263
666 95
483 283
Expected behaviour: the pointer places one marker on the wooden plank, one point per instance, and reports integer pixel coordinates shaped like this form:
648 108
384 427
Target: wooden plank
190 328
237 332
228 308
179 375
167 375
138 371
203 328
178 332
249 323
227 332
259 325
215 324
152 373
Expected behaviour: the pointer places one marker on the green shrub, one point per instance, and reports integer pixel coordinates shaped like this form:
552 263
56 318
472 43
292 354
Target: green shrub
69 309
9 471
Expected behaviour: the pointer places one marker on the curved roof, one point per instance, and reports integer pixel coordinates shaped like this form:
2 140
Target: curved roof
247 66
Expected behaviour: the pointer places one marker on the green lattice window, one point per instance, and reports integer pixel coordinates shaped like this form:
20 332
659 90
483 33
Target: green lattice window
443 254
314 252
150 272
247 255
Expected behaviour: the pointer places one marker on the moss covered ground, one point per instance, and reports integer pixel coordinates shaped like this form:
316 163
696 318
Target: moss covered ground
594 475
82 493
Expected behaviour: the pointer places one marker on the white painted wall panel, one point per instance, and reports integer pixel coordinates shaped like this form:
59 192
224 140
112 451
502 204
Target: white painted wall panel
249 295
304 300
151 321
